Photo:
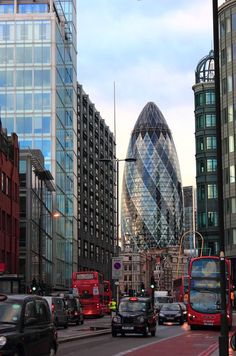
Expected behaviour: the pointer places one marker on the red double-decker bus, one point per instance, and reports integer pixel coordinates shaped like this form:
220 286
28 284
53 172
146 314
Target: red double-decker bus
90 286
107 296
180 289
204 293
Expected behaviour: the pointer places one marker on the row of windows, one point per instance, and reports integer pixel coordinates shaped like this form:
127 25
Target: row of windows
8 224
205 143
207 219
26 31
21 55
28 124
208 191
207 120
25 78
94 252
25 101
206 98
23 8
227 24
209 165
8 187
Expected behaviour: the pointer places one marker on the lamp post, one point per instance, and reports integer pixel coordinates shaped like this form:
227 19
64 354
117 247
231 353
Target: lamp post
223 338
180 246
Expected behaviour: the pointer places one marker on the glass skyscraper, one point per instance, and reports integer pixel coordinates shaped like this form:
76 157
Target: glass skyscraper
38 101
152 199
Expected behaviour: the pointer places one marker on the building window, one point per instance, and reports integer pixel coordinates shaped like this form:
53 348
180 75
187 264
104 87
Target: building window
200 144
86 249
230 113
232 174
233 205
211 191
211 143
201 192
210 97
234 236
200 167
210 120
201 219
91 251
211 165
212 217
231 143
200 122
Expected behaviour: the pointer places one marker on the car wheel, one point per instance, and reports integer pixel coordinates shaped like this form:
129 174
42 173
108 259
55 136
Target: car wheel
113 333
66 326
181 322
19 352
160 322
145 333
193 327
52 351
153 332
81 322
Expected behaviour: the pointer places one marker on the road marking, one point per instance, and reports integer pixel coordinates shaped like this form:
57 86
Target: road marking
146 345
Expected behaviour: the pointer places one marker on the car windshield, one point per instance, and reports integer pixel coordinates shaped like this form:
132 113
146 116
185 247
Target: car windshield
170 307
10 312
127 306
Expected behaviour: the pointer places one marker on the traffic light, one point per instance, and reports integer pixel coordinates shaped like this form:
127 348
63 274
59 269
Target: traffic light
153 283
34 286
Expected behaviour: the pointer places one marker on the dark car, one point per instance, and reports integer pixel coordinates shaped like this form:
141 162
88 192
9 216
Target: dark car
74 309
185 312
134 315
57 306
171 312
26 326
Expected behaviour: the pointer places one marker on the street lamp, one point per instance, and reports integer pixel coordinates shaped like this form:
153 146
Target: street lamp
107 160
224 337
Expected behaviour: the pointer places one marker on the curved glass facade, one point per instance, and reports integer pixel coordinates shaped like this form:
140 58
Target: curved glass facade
152 201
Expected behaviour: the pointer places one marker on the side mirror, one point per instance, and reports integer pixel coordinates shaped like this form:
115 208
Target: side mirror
233 341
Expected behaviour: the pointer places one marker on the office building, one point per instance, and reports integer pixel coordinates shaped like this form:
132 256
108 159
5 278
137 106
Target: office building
38 100
152 199
36 218
96 189
206 155
227 48
9 203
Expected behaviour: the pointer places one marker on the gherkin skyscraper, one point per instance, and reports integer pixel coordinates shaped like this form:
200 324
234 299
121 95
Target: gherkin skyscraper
152 201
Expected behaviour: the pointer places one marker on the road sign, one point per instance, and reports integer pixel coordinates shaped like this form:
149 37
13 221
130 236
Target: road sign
117 267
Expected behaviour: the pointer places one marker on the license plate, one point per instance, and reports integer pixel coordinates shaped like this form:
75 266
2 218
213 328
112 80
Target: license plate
127 328
210 323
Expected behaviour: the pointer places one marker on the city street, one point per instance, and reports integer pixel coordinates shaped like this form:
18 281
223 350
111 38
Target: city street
169 339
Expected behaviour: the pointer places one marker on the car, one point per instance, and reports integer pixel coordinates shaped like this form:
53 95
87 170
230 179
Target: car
74 309
135 315
26 326
171 312
58 309
184 308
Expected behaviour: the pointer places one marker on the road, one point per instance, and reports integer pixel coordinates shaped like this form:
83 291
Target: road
169 339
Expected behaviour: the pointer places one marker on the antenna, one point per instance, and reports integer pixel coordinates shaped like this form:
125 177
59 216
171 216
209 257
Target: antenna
114 98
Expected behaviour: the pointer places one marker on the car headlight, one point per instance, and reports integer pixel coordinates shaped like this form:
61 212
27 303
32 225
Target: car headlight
3 340
141 319
161 315
116 319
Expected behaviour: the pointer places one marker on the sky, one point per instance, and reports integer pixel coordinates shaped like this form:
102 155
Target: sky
147 50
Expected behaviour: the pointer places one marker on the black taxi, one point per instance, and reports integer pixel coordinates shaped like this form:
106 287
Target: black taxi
26 326
135 315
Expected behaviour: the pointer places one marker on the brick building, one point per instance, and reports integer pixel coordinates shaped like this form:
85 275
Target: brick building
9 202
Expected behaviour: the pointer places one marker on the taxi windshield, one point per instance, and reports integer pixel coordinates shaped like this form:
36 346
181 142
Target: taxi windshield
134 306
10 312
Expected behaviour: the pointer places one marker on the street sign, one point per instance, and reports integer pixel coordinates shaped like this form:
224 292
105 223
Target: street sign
117 267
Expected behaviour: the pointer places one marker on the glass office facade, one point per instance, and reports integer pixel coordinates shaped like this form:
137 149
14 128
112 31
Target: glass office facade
38 102
152 200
